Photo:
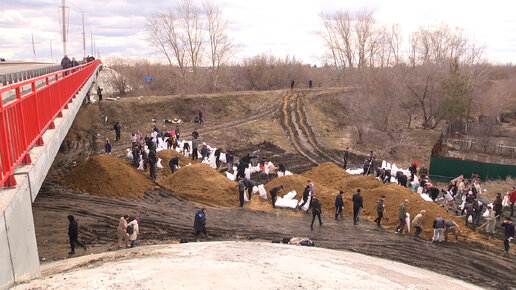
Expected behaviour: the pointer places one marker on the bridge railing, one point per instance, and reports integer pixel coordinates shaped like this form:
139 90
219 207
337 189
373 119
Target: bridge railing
28 109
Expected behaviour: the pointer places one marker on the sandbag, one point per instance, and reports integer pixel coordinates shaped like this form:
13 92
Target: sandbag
280 173
222 157
290 195
286 203
247 173
288 173
425 197
262 191
246 198
505 201
306 205
255 189
141 165
158 164
129 154
407 220
230 176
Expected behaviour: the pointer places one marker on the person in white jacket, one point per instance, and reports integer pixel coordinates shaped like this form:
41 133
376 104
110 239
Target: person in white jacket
136 230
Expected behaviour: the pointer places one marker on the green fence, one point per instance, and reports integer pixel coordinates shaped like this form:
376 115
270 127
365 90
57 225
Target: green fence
445 169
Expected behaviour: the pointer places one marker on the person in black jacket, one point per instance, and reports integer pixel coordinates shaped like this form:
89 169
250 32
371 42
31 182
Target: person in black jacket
346 157
73 234
339 203
316 211
99 93
173 163
217 157
357 205
306 193
108 147
117 128
282 168
274 194
151 159
249 186
241 191
402 178
509 233
200 223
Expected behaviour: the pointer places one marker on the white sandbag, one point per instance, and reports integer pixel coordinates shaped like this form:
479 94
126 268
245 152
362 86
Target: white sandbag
486 214
158 164
154 134
160 149
263 192
212 162
505 201
247 173
290 195
407 220
129 154
280 173
141 165
306 205
288 173
384 164
228 175
470 219
354 171
425 197
246 198
286 203
420 190
222 157
255 189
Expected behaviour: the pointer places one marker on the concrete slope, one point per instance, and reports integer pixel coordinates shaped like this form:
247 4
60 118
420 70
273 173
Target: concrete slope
234 265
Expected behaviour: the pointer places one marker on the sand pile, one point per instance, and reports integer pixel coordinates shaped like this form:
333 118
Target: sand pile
203 184
336 178
107 175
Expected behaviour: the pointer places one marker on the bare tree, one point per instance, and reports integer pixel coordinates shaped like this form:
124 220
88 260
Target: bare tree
221 46
164 35
192 28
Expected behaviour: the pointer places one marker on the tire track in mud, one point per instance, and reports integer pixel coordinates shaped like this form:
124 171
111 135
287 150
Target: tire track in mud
287 120
308 132
300 133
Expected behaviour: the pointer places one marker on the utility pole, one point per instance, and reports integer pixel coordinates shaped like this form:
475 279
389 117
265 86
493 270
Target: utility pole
51 52
91 42
33 48
83 37
64 26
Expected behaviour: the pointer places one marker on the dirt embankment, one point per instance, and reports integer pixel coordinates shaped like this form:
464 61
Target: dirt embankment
107 175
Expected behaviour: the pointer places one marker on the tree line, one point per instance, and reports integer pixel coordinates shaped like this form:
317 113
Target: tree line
438 75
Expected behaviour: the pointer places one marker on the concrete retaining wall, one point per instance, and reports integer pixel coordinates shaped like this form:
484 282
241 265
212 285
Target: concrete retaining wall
19 260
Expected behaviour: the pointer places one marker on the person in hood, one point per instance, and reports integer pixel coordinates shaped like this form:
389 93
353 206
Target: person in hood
73 234
200 223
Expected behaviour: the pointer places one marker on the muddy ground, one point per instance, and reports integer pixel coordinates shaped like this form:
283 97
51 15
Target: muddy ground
274 122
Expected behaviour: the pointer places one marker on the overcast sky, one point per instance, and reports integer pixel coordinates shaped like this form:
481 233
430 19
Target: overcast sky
279 27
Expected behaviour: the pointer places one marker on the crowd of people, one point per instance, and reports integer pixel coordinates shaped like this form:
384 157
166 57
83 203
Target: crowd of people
462 195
